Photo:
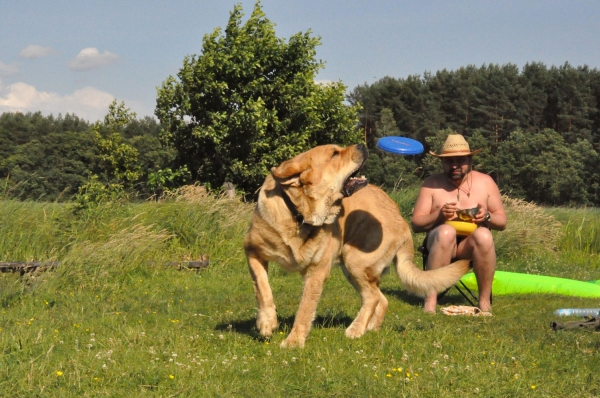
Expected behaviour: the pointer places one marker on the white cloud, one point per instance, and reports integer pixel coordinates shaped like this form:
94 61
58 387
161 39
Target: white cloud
90 58
88 103
8 70
35 51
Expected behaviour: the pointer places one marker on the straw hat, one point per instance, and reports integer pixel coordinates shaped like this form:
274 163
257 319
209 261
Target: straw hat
455 145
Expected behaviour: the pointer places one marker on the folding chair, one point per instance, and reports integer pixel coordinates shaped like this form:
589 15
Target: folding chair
425 253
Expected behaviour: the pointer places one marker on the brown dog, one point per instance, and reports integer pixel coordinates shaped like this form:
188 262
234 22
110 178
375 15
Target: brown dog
312 213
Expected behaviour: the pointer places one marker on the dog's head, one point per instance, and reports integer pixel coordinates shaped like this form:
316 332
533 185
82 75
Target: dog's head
316 181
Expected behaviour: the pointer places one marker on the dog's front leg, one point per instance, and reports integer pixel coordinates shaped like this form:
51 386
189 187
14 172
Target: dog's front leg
266 319
314 278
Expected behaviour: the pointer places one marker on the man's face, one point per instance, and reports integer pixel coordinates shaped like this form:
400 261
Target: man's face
456 167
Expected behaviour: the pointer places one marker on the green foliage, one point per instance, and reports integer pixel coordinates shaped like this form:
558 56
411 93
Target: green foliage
544 168
494 99
117 160
390 171
248 102
386 125
164 180
44 158
117 165
95 193
431 164
48 158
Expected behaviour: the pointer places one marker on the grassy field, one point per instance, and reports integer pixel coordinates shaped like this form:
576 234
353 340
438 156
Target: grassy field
116 318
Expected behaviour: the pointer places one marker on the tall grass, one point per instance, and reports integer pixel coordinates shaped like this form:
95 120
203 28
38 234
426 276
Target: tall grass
582 229
31 231
530 229
116 319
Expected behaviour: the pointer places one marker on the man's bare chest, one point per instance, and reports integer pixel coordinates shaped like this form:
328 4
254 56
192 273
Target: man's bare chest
463 200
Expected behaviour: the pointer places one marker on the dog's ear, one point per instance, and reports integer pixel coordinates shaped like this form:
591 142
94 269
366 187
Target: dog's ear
290 168
292 181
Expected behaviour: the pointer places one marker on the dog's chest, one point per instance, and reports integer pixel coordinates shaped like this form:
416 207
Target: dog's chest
308 247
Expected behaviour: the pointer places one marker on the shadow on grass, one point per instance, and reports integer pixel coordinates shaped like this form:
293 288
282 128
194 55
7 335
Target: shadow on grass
334 320
403 295
248 326
451 297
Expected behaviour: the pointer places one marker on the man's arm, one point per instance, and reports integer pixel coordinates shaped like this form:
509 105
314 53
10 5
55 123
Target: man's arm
497 215
423 219
494 206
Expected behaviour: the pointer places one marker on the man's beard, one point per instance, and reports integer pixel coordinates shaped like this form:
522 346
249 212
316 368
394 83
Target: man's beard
458 176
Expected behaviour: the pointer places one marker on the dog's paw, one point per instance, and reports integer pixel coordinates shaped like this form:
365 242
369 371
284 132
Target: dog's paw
374 326
266 322
354 331
292 341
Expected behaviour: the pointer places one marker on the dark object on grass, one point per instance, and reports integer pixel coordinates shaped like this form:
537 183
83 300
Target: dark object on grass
590 323
190 264
25 267
229 190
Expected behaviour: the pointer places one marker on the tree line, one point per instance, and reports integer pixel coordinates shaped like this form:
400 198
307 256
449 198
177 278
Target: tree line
50 158
249 100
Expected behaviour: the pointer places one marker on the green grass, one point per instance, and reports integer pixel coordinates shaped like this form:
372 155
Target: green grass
115 320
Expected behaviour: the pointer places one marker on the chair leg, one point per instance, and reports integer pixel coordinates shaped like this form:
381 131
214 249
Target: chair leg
464 295
470 293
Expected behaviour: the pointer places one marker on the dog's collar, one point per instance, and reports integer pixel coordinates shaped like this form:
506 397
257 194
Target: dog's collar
295 213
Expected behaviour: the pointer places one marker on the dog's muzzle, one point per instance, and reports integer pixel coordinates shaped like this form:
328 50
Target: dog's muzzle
354 183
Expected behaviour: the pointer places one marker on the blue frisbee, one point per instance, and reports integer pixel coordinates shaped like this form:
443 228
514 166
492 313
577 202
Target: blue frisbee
400 145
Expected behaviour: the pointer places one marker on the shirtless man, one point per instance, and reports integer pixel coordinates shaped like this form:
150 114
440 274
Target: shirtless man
440 196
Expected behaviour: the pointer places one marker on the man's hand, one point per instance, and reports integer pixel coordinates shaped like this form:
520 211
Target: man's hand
448 210
481 214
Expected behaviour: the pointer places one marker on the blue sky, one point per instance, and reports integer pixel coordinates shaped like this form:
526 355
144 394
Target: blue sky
77 56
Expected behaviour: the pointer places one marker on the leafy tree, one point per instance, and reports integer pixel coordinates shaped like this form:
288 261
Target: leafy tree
117 160
52 167
431 164
41 158
574 102
248 102
386 125
50 158
117 166
543 168
163 180
532 98
495 114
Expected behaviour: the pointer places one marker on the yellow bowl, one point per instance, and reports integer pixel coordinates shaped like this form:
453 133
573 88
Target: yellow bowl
463 228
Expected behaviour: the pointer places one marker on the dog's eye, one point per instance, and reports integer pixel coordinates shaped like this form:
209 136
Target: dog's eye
335 153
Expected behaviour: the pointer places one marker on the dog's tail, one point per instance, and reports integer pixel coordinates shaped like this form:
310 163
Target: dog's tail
422 283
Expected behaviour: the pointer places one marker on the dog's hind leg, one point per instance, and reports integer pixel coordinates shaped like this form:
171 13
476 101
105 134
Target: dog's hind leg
377 318
314 281
266 319
374 305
